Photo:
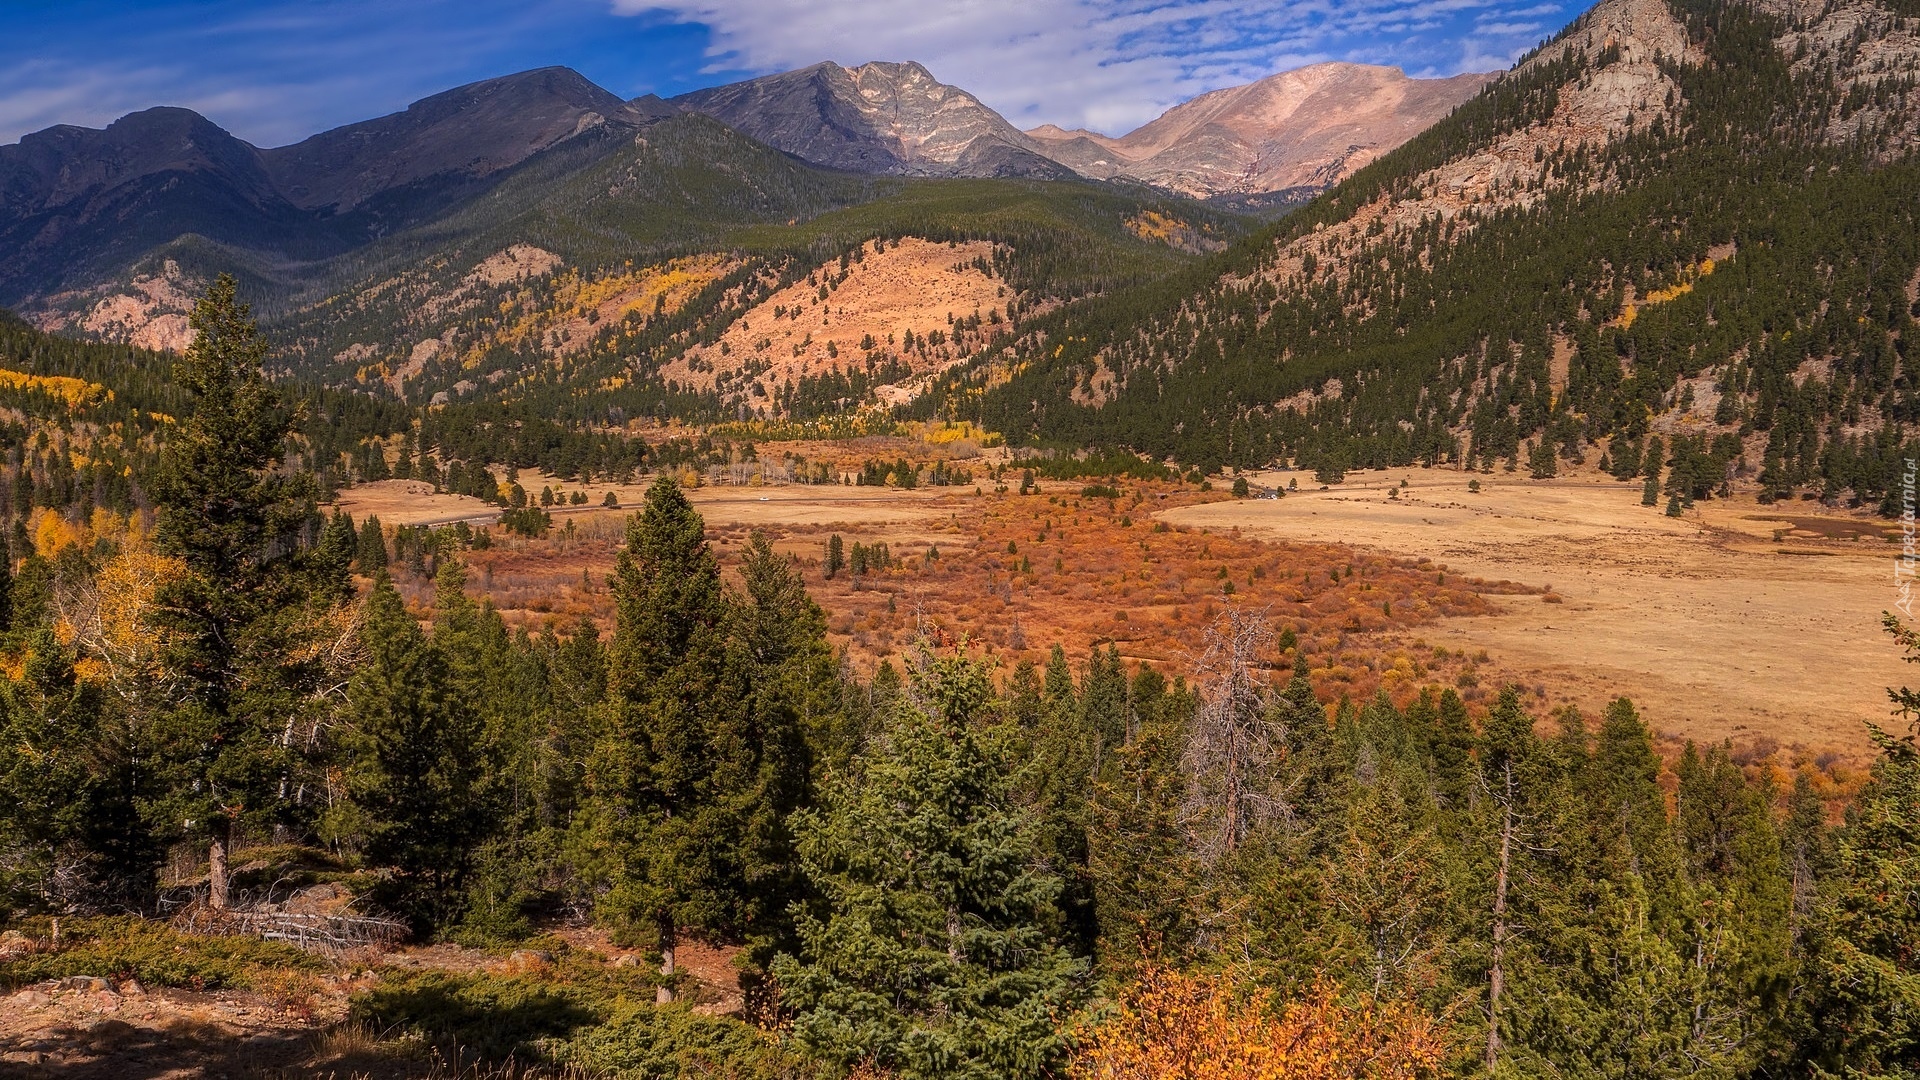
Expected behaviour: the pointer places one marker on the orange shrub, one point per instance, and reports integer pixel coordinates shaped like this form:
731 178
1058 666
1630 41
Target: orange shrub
1175 1026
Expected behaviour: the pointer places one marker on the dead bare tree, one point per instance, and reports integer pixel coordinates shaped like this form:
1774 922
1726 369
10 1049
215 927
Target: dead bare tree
1229 757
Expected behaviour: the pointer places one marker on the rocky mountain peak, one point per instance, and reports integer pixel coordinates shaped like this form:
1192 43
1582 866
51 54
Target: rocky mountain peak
1299 129
878 117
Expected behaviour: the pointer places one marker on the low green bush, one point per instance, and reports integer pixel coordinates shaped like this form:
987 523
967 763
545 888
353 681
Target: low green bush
123 947
579 1014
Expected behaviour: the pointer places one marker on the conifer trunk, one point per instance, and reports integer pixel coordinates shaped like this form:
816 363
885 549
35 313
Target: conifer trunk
1496 975
668 939
217 876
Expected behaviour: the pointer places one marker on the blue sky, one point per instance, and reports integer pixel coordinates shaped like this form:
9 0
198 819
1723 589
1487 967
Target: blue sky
275 71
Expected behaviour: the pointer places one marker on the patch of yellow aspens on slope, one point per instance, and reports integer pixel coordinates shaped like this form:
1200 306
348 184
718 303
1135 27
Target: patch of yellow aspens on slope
610 298
1153 225
75 393
1674 291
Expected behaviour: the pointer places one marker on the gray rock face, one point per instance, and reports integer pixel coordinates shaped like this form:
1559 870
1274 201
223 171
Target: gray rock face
890 119
1302 129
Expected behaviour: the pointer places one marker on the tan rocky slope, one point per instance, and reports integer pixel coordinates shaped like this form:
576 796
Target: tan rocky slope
1305 128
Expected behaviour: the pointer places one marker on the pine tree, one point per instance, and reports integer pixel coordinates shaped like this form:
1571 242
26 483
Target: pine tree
70 834
1866 1015
1450 748
1386 883
332 562
1542 463
370 556
836 555
1137 857
6 587
678 781
927 953
793 719
1739 935
233 519
417 766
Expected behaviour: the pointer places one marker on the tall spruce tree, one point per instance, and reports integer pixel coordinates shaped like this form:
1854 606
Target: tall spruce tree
1866 1010
71 838
370 554
1137 857
417 767
679 778
233 519
928 951
792 717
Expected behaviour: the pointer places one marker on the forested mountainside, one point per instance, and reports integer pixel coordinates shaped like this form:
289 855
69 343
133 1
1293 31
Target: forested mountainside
1690 221
83 423
572 282
578 301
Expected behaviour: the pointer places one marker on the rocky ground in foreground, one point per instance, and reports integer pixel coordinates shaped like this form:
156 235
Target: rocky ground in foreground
110 1026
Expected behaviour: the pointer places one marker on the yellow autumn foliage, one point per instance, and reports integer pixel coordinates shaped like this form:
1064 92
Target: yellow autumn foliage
74 393
1672 292
1176 1026
121 631
51 532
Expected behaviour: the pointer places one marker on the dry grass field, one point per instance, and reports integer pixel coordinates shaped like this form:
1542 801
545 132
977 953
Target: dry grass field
1013 575
1735 621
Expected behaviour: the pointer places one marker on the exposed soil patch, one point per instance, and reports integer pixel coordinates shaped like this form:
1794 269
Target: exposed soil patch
913 290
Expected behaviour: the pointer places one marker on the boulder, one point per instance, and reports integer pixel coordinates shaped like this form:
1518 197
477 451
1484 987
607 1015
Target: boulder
88 984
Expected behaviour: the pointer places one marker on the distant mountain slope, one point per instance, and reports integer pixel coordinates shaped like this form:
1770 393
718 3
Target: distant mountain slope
881 118
77 203
1301 129
79 207
1691 219
470 132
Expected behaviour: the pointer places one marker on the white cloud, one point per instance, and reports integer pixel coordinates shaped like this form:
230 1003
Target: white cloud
1105 64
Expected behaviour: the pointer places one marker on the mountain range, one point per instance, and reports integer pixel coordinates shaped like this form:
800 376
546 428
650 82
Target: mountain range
1299 131
84 209
1684 229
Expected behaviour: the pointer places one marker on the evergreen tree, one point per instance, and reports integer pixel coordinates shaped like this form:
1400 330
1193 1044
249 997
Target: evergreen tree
70 834
233 519
6 587
370 555
1866 1016
1137 859
679 784
793 718
1450 748
417 765
332 562
836 555
1387 886
928 953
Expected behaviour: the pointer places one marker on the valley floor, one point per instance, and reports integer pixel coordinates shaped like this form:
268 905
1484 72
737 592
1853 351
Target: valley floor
1738 621
1735 621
